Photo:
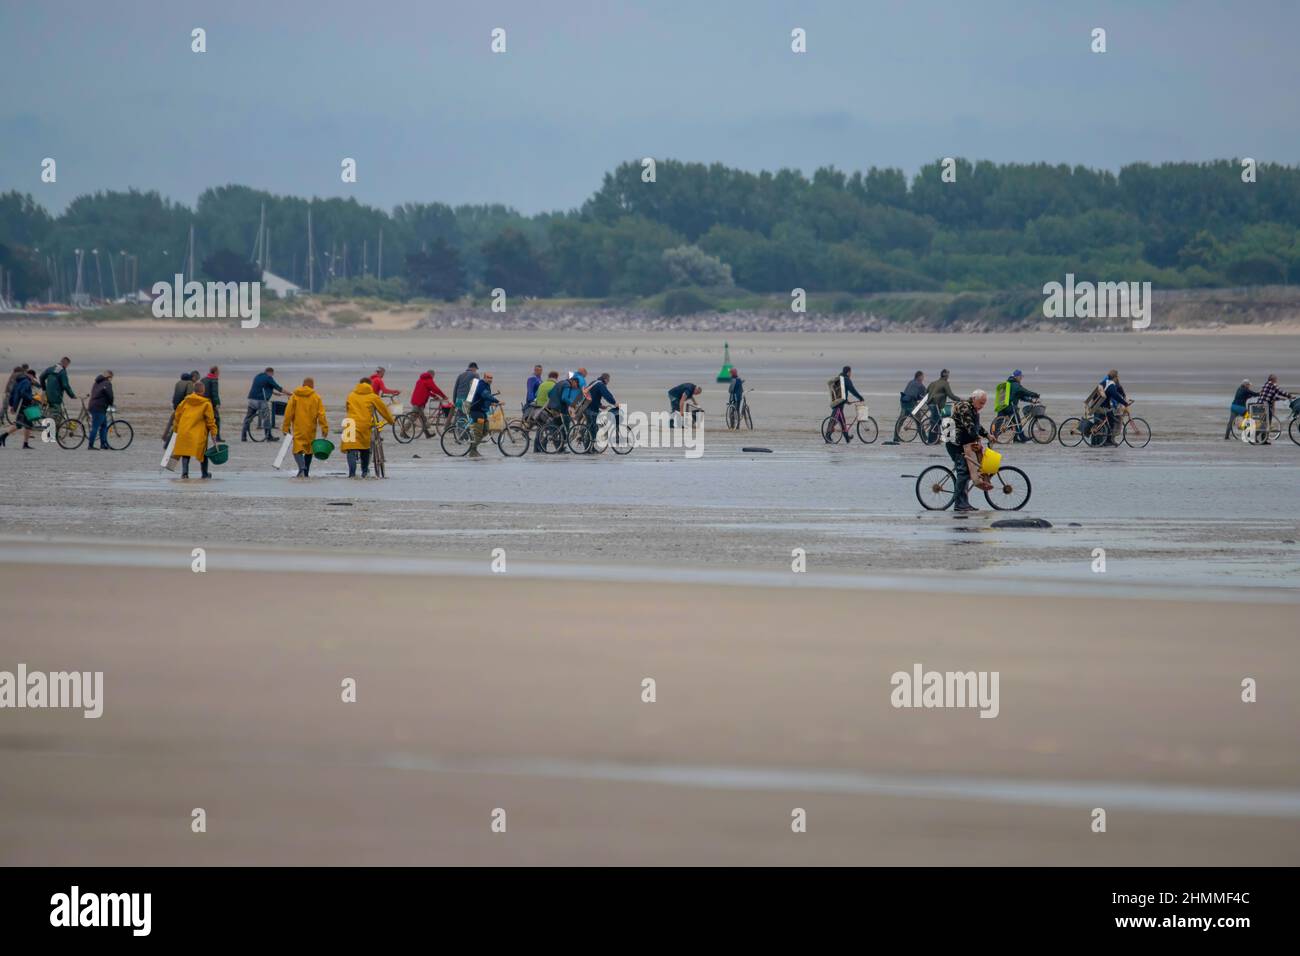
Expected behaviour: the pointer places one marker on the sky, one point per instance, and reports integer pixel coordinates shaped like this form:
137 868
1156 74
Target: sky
411 90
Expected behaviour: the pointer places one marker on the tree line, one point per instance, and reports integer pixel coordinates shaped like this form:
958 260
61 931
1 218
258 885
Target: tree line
963 226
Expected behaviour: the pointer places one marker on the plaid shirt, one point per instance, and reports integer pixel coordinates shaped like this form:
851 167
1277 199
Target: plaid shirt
1271 392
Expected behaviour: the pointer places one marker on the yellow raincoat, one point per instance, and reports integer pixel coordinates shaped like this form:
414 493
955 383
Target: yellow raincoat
193 421
302 415
361 403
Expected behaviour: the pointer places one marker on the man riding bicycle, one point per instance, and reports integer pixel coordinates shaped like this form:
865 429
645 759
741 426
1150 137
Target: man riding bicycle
1006 398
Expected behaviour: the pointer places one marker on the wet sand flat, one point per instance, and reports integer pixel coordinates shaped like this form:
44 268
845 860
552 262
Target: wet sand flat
222 691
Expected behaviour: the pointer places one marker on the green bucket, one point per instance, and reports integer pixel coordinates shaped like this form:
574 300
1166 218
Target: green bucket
32 413
219 454
321 448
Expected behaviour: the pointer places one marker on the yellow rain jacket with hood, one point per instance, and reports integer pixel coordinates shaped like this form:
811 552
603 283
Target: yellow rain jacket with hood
361 403
193 421
302 416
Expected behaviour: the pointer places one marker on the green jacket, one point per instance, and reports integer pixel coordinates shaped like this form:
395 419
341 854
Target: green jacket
940 392
55 382
213 389
543 393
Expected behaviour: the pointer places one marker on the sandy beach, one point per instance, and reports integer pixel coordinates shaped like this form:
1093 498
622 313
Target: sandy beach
523 690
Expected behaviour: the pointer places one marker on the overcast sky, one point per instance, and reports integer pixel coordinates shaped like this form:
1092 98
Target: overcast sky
411 90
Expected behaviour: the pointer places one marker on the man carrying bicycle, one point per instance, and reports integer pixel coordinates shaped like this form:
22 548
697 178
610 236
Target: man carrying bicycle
1006 398
965 450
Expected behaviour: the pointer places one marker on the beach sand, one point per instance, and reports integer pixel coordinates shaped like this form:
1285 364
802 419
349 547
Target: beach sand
522 691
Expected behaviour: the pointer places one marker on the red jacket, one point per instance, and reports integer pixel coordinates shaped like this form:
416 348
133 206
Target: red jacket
377 383
425 389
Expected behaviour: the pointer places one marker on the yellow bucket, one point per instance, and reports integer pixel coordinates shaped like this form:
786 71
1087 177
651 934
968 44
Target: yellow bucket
991 461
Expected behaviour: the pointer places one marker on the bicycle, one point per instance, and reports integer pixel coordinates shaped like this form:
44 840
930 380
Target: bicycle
1096 428
1248 428
936 488
918 423
258 433
409 425
71 432
864 426
377 445
458 438
738 413
1031 419
610 433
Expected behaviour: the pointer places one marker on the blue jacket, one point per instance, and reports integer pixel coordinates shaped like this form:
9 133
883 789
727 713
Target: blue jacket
22 393
736 389
534 382
264 386
570 394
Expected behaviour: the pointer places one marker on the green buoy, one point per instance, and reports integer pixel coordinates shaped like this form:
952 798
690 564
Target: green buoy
724 373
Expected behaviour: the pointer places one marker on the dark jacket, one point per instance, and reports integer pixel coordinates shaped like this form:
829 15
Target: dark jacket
1243 395
483 401
101 394
735 390
600 392
213 390
462 384
183 388
1017 393
264 386
940 392
912 394
967 420
55 382
21 394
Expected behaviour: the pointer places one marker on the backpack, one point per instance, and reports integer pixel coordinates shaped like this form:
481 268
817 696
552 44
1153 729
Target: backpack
1002 396
836 387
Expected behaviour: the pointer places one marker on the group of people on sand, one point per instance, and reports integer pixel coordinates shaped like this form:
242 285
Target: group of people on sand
1263 401
25 389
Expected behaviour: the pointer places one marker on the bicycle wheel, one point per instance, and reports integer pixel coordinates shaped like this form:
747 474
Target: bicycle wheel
867 430
1042 429
928 431
733 417
405 427
620 438
256 434
830 433
936 488
1137 433
905 428
749 420
1294 430
1003 430
513 441
455 440
120 435
1095 434
579 438
70 433
1010 491
1274 429
1071 432
377 456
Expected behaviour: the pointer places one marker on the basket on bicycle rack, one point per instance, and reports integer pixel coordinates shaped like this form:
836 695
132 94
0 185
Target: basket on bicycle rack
1036 410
